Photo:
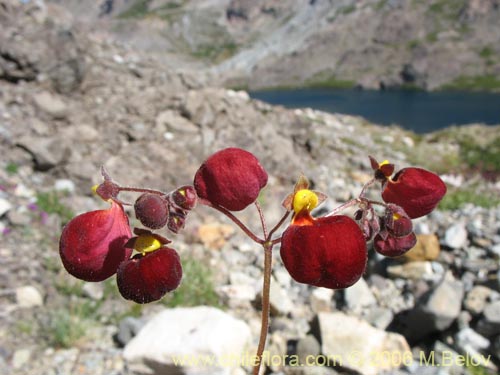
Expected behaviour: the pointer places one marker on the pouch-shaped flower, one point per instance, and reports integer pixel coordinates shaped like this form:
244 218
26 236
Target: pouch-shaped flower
328 252
416 190
92 244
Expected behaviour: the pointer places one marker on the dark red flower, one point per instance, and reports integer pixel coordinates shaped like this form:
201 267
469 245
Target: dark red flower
393 246
92 244
231 178
149 276
328 252
416 190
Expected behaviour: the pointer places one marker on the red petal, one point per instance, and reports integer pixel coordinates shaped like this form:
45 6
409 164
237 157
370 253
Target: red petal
92 244
148 278
231 178
416 190
331 253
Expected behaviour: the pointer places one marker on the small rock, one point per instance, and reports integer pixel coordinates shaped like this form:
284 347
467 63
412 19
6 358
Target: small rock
352 342
444 303
279 300
435 311
379 317
46 152
51 104
19 218
20 358
456 236
359 296
426 248
5 206
477 299
489 325
321 300
413 270
214 236
307 346
470 341
127 329
174 122
28 296
495 249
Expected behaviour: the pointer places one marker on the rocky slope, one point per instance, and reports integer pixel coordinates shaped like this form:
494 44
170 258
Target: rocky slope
72 100
370 43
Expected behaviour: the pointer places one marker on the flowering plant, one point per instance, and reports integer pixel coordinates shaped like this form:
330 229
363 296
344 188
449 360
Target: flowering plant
328 251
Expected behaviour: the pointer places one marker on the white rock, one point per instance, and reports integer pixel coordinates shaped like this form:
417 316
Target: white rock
456 236
197 340
118 59
64 184
281 304
28 296
321 299
359 296
352 343
5 206
20 358
23 191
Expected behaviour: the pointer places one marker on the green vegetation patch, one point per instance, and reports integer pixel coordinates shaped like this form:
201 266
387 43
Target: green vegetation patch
449 9
485 158
197 287
215 53
456 198
11 168
50 202
328 80
487 82
137 10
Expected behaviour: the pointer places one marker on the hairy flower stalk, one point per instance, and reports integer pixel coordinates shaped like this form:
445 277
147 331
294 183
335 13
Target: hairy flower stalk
328 251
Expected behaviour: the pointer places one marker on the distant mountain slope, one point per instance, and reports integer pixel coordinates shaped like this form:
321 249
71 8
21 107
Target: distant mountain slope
428 44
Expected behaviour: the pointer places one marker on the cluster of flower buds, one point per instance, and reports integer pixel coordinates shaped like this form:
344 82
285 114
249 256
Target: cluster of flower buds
409 194
155 211
328 251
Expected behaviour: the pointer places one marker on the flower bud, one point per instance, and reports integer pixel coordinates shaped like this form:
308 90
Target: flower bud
394 246
185 197
151 210
176 221
231 178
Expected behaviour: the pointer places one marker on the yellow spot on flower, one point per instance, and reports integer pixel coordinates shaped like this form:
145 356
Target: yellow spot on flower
384 163
396 216
304 199
94 189
146 243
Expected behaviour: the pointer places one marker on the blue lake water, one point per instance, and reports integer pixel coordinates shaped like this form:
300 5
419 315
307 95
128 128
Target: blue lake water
419 111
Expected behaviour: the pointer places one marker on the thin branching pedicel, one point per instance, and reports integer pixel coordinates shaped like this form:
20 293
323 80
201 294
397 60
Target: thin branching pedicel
328 251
